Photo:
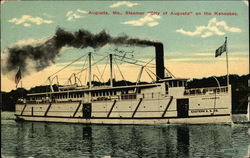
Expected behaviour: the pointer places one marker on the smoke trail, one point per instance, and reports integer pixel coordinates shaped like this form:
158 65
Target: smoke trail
44 53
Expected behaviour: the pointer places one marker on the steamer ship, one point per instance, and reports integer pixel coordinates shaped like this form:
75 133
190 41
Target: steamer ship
167 100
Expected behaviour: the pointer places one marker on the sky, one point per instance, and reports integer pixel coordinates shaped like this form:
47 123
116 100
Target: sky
190 36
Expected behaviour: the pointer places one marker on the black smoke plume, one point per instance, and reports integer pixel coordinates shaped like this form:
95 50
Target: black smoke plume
45 53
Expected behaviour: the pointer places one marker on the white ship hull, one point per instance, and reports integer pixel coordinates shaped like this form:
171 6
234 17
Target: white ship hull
173 108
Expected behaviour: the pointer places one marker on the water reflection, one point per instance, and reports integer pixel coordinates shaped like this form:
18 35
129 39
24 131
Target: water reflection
73 140
87 138
182 141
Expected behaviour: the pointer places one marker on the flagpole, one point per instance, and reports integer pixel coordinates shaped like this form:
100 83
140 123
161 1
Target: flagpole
227 62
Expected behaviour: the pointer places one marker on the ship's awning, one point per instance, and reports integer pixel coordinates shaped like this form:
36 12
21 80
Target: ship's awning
174 79
101 88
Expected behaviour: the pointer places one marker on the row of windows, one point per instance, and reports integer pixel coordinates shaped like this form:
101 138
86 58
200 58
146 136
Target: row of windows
70 95
78 95
110 93
104 93
59 96
176 83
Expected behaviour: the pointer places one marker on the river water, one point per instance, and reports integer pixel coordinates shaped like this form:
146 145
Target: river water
47 140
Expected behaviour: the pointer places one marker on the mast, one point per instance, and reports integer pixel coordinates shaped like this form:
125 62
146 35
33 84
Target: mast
139 75
111 70
90 79
227 62
50 84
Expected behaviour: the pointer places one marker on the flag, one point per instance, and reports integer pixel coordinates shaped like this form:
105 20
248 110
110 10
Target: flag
18 77
221 49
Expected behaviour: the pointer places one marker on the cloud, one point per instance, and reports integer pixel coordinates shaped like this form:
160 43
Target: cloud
71 15
147 20
127 3
213 28
27 20
26 25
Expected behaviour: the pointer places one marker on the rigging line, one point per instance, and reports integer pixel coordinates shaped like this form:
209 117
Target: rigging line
127 58
132 63
99 54
132 59
75 78
149 75
67 65
120 72
169 72
81 71
104 69
153 65
98 69
83 66
152 72
69 79
79 81
91 65
86 74
149 62
95 76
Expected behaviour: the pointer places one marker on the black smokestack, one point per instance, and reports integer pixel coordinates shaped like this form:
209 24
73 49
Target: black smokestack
44 53
159 60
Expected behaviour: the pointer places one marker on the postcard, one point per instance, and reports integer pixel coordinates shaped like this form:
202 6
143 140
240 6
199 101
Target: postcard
125 63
